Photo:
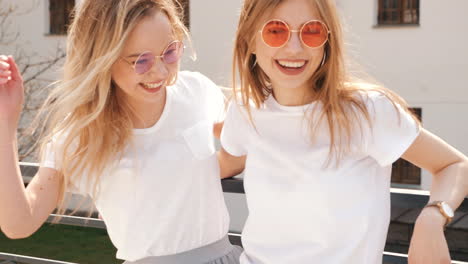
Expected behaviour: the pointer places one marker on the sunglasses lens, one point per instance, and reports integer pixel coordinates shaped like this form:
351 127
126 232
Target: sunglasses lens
173 53
144 62
275 33
314 34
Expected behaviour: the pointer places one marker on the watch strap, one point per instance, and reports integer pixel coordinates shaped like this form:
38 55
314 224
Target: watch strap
438 204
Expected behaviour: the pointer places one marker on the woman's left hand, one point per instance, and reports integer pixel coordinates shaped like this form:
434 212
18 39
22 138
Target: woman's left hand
428 244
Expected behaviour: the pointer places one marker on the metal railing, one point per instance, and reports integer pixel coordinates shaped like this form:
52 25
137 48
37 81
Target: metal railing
400 197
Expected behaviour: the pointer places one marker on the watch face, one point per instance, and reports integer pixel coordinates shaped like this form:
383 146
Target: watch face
447 210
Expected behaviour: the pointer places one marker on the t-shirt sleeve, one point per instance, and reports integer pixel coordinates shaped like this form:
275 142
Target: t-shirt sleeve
393 130
214 99
234 134
51 159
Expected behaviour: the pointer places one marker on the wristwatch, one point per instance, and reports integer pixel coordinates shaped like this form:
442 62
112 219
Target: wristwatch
444 209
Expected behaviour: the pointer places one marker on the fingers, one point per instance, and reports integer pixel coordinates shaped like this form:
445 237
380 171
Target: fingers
15 73
4 64
5 72
3 57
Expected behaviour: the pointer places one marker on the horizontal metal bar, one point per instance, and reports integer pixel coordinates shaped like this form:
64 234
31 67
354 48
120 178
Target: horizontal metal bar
394 258
30 260
397 258
233 185
77 221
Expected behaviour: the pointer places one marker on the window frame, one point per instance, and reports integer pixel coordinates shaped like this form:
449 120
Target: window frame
398 12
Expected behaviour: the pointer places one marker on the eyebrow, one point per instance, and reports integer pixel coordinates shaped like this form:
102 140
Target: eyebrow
138 54
135 55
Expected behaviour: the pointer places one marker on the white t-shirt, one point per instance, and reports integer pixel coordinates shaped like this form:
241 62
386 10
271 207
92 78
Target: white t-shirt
303 212
165 195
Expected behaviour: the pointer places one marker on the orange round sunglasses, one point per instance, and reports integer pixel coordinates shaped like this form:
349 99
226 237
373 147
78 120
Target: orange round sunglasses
276 33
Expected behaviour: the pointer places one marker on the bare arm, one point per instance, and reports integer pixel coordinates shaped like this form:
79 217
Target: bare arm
230 165
449 168
22 211
217 128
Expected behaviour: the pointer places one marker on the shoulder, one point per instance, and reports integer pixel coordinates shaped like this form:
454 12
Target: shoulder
238 106
365 91
384 105
371 95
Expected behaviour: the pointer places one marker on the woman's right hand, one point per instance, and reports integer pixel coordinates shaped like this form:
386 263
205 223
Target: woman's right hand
11 91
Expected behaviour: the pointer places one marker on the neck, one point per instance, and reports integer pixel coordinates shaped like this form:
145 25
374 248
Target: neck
288 96
147 114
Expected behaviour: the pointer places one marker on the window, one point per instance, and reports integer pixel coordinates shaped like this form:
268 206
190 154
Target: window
186 12
398 12
404 172
59 12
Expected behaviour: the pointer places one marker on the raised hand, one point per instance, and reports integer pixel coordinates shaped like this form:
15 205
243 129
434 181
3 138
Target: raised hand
11 91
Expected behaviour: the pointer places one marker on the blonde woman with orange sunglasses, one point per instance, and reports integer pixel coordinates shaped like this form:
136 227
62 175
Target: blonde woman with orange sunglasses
317 146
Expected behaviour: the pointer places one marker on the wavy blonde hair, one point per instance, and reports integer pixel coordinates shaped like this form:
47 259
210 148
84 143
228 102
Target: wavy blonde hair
93 123
336 89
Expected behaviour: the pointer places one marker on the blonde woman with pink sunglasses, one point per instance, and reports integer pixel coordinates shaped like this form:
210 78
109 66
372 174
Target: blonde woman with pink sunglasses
317 146
128 129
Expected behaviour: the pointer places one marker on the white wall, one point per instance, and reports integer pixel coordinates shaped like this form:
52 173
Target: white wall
213 25
33 27
426 64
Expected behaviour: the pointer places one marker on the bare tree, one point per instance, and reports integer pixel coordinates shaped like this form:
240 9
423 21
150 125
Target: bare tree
33 67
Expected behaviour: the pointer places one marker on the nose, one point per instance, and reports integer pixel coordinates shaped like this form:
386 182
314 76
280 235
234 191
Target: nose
159 68
294 45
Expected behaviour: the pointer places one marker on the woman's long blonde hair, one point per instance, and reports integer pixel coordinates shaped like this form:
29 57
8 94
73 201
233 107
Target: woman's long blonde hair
93 123
342 108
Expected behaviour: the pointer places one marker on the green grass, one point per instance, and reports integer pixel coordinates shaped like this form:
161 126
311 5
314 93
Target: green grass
82 245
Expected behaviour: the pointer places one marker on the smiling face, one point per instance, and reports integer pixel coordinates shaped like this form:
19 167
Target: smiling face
152 34
291 66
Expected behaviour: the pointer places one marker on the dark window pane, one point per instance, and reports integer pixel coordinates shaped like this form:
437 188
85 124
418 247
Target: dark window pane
395 16
398 12
185 4
386 3
59 12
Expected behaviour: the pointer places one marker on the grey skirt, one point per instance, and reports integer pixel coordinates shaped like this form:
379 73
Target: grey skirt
219 252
